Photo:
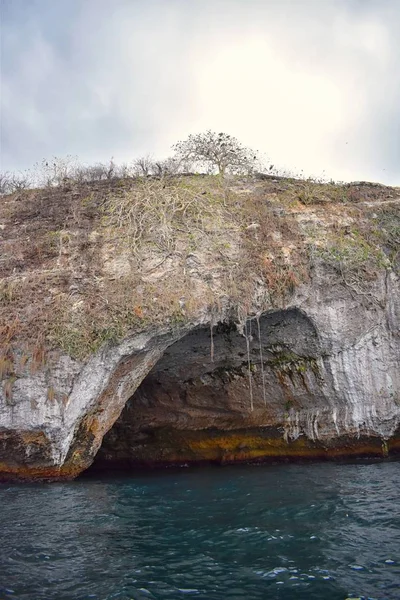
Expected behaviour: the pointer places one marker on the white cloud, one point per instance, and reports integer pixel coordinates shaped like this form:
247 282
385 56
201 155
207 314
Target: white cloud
314 85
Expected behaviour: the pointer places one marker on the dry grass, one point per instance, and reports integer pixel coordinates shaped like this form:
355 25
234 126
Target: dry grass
85 264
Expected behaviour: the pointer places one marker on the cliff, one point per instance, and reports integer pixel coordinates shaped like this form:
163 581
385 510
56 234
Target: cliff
181 320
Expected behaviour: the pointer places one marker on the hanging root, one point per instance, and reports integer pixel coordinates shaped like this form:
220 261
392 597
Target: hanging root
261 361
212 340
248 339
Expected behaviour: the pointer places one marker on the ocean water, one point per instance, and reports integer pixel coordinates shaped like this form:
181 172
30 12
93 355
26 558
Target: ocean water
323 531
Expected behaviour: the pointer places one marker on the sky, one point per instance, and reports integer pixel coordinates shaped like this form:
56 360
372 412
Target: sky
313 85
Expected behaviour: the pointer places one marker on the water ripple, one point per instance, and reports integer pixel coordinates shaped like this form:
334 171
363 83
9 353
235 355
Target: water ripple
288 532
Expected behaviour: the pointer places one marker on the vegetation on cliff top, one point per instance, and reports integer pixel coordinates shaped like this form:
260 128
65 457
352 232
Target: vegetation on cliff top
86 259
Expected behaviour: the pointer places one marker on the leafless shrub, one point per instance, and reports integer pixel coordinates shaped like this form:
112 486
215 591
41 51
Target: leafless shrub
59 171
111 170
15 182
88 174
55 171
21 181
124 171
168 167
143 166
101 172
147 166
5 180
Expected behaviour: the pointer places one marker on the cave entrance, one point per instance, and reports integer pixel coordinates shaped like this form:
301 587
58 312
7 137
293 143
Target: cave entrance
209 387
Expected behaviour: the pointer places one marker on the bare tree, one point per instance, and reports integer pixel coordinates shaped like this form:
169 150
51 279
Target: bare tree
169 166
56 171
143 166
216 151
111 169
99 172
21 181
5 181
83 173
147 165
124 171
15 182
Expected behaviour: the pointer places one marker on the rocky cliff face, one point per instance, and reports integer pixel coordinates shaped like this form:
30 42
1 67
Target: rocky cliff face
319 379
236 368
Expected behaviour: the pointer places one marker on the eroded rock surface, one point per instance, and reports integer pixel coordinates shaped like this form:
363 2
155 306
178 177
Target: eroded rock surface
290 387
318 378
154 354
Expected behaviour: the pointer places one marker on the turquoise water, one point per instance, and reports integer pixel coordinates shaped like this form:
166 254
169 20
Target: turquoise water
289 532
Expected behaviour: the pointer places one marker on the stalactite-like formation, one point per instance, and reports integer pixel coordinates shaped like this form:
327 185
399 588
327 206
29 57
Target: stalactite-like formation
261 360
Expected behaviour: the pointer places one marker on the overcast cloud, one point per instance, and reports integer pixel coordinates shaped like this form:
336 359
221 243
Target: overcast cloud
313 84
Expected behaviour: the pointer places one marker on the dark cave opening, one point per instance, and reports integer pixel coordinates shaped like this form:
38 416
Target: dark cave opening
214 381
